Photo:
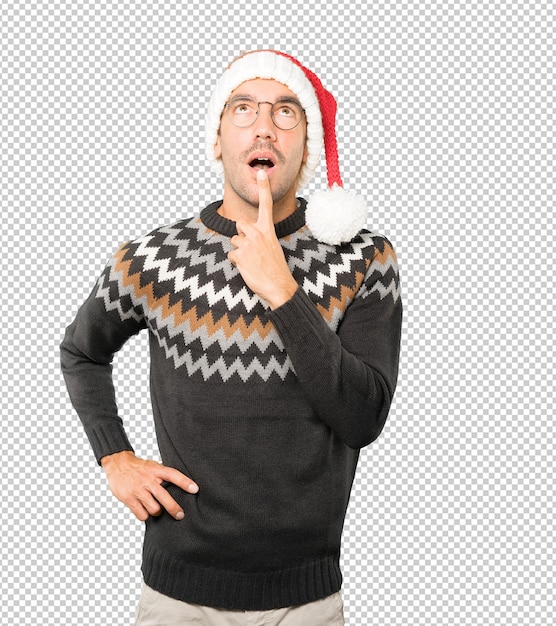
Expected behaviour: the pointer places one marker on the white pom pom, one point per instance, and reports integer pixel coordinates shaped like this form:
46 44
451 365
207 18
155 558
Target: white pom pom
336 216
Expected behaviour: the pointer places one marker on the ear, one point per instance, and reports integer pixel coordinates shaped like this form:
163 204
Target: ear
217 148
305 154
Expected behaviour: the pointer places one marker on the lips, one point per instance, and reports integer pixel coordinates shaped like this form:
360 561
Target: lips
262 161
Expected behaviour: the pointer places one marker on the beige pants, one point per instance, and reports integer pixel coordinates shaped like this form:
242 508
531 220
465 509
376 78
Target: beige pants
156 609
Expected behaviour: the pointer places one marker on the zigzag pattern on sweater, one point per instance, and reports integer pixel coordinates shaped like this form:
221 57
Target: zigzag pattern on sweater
179 280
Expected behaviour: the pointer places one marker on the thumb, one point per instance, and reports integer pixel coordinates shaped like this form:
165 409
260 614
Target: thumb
265 219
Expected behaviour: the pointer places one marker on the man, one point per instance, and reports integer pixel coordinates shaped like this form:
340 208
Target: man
274 328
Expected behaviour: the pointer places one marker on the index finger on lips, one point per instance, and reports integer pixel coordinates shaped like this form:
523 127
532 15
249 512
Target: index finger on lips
265 218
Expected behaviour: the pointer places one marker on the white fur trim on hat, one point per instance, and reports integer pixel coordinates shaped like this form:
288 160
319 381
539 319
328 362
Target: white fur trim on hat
267 64
333 216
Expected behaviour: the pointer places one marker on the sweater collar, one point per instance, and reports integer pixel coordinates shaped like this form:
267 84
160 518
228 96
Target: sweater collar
213 220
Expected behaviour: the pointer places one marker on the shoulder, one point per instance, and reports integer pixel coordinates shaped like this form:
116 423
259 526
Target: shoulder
366 252
382 249
372 246
173 234
179 228
382 272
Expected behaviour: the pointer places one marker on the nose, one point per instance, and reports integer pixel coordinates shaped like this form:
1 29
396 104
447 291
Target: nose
263 128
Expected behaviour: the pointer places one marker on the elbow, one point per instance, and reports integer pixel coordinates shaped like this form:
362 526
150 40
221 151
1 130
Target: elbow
368 418
367 432
67 355
70 355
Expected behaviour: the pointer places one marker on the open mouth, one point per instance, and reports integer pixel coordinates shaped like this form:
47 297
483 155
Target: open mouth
261 164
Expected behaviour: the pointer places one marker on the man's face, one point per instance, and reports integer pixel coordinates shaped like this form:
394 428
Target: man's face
243 150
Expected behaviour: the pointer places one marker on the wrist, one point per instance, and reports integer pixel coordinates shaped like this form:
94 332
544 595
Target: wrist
111 461
283 295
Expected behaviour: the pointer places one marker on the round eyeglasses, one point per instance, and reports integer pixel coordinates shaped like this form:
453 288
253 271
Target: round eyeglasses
285 114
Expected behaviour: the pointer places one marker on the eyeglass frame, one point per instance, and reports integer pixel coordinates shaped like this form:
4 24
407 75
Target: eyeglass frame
281 100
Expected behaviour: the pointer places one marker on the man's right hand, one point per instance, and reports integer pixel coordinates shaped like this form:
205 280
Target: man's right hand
138 484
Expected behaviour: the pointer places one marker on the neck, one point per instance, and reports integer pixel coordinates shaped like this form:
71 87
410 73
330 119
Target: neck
237 209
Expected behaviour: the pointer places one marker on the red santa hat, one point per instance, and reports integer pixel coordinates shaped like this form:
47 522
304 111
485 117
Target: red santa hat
333 215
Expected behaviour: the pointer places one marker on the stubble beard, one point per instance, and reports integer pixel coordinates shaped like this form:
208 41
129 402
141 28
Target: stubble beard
251 197
249 192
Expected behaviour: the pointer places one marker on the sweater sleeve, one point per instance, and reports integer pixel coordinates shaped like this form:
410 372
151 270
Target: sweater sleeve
349 376
86 354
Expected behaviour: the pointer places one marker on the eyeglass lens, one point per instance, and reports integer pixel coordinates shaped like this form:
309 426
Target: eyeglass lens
243 112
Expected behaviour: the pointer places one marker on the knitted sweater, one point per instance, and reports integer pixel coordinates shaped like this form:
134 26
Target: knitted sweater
265 410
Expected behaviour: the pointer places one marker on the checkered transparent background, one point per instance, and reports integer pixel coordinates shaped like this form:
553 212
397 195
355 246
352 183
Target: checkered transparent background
446 124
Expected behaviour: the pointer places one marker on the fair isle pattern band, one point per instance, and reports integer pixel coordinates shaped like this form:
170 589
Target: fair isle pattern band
179 282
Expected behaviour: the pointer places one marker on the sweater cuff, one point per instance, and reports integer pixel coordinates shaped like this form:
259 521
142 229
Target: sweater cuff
297 319
108 439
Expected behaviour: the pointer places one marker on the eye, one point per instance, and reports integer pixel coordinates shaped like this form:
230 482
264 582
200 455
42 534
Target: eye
284 110
242 107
